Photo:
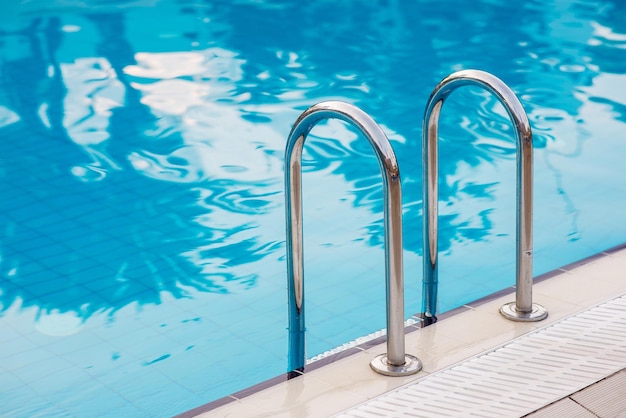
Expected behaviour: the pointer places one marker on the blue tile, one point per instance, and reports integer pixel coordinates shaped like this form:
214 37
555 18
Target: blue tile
92 400
23 402
24 357
40 369
16 346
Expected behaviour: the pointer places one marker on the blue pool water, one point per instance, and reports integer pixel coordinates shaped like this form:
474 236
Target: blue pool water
141 220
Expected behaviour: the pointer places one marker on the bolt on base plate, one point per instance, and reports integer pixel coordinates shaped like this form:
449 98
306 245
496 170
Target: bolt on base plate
509 311
411 365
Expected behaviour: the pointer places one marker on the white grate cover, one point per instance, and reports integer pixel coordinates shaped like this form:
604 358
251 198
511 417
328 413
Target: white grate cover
520 376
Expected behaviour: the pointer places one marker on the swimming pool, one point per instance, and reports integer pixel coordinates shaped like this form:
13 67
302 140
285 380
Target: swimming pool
142 215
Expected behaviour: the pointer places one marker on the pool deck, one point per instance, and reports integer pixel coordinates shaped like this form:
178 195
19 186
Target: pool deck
476 339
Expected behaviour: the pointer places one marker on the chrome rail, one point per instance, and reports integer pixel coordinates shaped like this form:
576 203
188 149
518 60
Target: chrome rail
522 309
396 362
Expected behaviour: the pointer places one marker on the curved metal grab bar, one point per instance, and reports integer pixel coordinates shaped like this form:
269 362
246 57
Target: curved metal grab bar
523 309
395 362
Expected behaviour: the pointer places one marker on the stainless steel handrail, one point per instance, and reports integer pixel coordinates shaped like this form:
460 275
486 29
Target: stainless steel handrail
522 309
395 362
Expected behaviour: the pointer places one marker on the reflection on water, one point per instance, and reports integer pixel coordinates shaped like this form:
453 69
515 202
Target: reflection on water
88 138
141 166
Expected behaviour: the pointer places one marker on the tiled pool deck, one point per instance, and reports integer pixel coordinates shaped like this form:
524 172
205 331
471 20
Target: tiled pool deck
347 385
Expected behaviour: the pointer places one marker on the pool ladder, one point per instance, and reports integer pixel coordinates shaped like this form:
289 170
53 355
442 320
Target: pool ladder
396 362
522 309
